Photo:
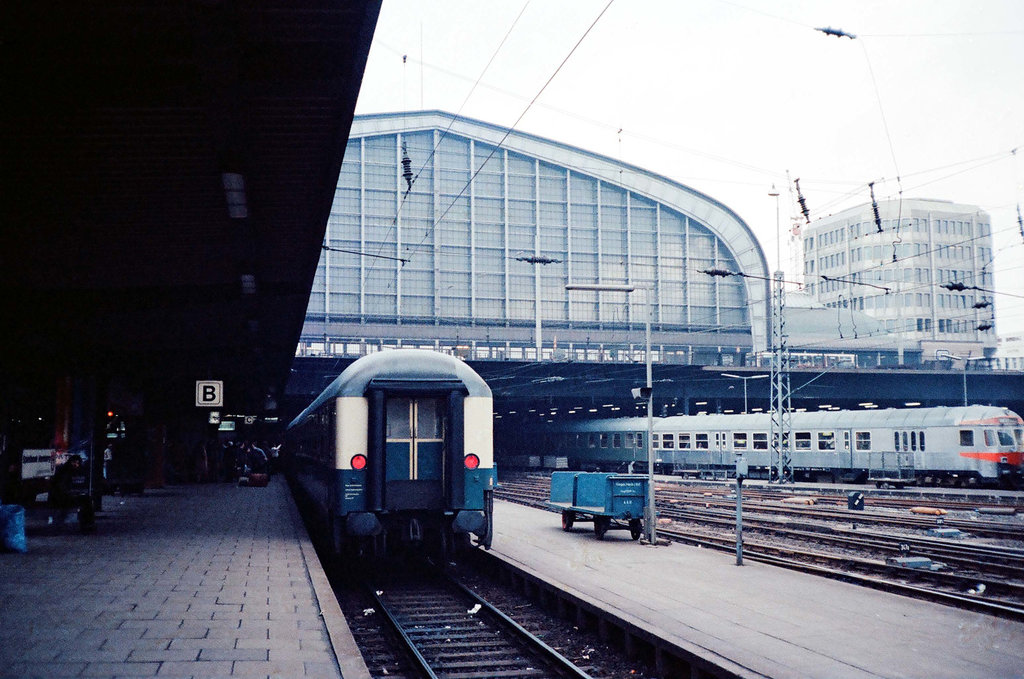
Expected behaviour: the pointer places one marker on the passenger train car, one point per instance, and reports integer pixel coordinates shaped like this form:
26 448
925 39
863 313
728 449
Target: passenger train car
945 445
398 449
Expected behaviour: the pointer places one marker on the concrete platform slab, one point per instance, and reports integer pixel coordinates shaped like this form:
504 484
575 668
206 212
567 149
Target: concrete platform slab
760 620
207 580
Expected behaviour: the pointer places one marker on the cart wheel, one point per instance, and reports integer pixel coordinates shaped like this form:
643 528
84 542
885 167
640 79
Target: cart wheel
601 524
636 528
568 519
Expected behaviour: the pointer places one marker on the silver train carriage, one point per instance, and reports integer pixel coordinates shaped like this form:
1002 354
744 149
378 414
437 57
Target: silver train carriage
943 445
398 447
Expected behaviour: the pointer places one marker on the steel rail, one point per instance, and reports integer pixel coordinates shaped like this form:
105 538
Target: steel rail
436 603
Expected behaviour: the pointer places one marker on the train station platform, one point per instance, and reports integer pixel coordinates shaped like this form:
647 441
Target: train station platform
211 580
758 620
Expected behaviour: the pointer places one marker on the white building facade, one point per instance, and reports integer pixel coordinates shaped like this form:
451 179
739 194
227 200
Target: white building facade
922 267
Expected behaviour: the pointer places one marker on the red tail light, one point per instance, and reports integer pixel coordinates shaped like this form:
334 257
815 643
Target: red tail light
358 462
472 461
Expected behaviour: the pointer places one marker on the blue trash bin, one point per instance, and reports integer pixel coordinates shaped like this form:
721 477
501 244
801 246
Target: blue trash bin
12 529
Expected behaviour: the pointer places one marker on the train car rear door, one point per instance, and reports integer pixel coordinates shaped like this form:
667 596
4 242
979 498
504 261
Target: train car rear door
414 453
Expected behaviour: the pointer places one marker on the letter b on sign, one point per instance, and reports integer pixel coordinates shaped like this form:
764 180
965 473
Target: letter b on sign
209 393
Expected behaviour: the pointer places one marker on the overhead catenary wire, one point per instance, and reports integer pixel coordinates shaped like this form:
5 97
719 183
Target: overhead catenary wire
512 127
894 253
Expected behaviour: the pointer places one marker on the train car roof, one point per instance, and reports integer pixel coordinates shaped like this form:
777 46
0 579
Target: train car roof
399 365
844 419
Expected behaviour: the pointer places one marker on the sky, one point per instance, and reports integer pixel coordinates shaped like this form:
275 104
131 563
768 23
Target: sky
731 98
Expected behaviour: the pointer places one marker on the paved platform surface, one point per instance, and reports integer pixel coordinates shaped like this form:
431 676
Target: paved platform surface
759 620
192 581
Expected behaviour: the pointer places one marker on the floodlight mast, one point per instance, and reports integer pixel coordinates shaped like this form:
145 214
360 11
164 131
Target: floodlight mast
650 517
942 354
744 378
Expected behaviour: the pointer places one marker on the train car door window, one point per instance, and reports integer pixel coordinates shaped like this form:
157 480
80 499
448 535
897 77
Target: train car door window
990 438
913 440
920 440
656 440
604 440
896 440
414 454
905 446
429 438
639 440
616 440
399 439
629 439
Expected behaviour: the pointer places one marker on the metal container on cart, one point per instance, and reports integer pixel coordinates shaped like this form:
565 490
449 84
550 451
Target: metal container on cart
610 501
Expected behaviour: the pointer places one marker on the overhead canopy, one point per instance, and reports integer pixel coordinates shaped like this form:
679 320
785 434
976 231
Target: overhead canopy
169 168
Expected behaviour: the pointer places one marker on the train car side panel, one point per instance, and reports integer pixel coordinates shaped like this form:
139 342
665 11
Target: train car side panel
350 444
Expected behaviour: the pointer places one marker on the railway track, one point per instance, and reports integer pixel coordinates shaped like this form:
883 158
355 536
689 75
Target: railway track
441 629
981 577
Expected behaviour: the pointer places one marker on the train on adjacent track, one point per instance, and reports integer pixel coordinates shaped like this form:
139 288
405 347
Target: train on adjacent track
398 450
971 445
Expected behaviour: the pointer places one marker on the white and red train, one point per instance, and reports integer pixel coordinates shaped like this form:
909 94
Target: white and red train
968 445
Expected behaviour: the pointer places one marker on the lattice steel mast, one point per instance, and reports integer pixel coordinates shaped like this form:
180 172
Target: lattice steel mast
781 426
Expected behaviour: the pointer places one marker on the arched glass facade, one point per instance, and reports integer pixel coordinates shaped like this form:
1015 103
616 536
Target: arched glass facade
485 230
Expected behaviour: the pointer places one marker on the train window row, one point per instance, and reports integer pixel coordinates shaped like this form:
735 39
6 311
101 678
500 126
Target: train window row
627 439
904 441
823 441
802 440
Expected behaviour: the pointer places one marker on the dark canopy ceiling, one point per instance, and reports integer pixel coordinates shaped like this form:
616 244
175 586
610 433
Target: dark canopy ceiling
127 129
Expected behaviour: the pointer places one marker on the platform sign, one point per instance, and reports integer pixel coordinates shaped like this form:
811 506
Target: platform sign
37 463
209 393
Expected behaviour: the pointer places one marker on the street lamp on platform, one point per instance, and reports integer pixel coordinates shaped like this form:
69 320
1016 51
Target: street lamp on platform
741 377
649 512
942 354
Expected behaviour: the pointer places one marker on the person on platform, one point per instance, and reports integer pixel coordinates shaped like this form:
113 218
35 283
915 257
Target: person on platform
69 489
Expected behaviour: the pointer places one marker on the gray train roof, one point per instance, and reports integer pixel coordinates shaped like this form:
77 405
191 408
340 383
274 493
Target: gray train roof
406 365
844 419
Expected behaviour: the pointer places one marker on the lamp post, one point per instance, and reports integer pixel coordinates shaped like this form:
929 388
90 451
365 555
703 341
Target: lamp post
649 513
535 260
940 354
741 377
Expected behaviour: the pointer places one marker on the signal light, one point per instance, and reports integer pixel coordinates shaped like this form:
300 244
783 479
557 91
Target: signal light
110 413
358 462
471 461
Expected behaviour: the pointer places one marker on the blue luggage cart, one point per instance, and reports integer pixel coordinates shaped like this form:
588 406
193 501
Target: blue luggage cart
610 501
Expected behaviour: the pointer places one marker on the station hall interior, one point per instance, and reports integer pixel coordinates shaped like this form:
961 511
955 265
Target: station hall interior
172 230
